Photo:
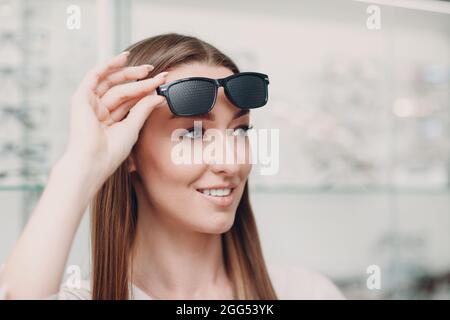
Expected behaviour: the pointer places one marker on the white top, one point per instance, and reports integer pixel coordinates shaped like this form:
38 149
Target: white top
290 283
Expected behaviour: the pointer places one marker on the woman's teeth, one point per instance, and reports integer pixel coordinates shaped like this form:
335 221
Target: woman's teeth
216 192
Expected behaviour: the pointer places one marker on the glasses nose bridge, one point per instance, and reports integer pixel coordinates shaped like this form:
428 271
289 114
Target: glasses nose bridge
219 82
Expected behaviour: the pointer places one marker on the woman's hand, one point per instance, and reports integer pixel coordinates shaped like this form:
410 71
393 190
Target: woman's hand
101 137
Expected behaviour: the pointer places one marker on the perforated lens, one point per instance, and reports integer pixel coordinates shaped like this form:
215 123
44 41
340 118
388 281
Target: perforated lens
247 91
193 97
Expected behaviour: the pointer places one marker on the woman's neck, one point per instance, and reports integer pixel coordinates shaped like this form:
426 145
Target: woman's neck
171 262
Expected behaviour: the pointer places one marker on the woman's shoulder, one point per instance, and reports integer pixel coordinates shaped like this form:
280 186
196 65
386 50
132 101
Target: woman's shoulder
82 291
291 282
295 282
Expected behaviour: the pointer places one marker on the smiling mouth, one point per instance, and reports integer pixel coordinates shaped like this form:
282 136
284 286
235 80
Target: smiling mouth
221 197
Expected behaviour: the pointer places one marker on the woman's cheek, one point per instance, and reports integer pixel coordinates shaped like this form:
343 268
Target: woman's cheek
179 161
246 169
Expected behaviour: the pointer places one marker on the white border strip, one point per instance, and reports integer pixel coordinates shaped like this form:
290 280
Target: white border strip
425 5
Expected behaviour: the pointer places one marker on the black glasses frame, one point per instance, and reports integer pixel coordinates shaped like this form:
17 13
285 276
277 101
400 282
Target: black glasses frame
222 82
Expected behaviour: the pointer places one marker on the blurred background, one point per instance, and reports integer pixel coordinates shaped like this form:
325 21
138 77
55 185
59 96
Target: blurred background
363 113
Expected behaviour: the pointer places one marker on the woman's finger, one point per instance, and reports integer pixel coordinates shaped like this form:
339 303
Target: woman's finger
102 113
140 112
93 77
120 112
117 95
129 127
121 76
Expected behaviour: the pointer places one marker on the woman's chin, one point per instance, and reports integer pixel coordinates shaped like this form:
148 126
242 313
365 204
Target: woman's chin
219 224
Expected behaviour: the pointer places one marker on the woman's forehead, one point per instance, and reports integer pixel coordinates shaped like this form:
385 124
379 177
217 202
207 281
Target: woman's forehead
197 70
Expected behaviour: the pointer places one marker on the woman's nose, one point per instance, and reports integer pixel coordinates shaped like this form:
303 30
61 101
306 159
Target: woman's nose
228 155
227 169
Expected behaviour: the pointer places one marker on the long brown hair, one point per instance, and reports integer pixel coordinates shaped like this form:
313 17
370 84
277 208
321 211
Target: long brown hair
114 208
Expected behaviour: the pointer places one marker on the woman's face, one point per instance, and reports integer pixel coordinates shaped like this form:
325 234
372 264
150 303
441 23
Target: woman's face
175 193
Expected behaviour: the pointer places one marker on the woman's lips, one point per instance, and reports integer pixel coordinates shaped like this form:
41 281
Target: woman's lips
223 201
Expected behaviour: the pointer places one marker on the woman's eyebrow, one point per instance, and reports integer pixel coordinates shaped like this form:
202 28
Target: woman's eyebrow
241 113
209 116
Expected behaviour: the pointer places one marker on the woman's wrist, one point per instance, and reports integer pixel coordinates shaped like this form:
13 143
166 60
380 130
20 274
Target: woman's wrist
81 173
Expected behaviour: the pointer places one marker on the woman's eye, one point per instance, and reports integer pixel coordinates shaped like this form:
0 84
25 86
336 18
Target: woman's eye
193 133
197 133
242 130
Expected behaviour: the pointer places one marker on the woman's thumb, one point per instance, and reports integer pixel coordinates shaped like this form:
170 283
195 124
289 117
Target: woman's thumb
138 114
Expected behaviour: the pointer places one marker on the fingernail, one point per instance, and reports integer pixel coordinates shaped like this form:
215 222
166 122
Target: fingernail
125 53
149 67
162 74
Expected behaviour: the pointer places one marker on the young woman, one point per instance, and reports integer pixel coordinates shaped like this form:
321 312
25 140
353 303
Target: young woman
160 230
